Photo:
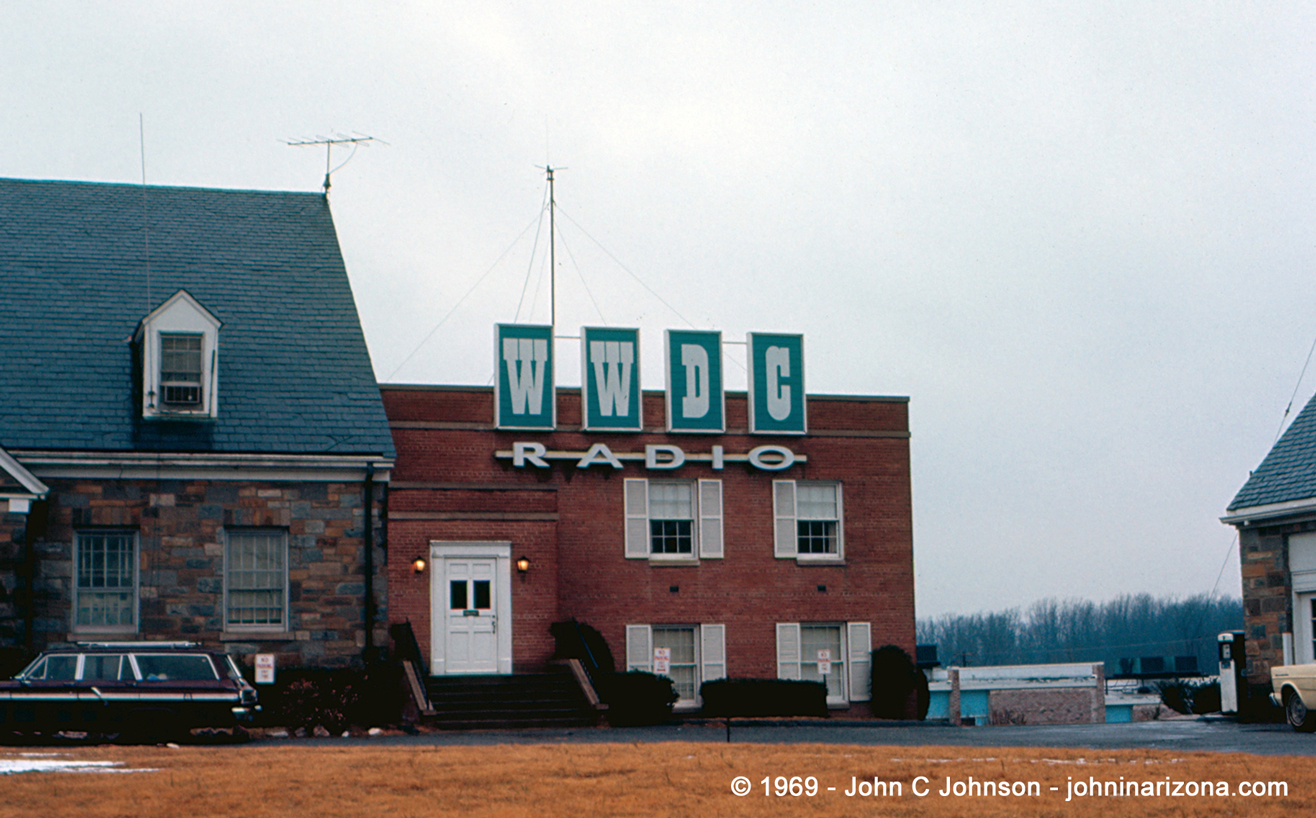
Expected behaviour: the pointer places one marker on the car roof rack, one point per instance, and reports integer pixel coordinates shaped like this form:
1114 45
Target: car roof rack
139 645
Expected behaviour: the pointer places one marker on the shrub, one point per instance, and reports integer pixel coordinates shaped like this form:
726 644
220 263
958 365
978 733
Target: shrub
1189 696
333 699
577 640
894 680
637 698
727 698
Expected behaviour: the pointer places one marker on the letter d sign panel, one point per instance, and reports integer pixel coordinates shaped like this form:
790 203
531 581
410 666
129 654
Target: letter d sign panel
694 381
524 397
776 384
610 370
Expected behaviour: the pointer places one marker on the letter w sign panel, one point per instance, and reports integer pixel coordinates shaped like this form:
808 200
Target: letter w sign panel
694 381
610 369
776 384
524 397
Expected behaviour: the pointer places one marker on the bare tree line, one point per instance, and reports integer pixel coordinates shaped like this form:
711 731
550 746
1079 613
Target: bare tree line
1128 627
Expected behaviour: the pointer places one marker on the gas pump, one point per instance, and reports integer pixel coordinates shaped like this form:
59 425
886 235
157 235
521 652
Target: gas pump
1233 662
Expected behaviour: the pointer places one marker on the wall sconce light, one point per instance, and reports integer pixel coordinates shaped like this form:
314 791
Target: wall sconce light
418 565
522 565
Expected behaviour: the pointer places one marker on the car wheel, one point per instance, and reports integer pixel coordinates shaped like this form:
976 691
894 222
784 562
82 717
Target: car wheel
1300 718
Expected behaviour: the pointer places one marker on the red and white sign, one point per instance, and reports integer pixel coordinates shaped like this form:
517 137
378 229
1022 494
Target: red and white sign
265 668
824 662
662 661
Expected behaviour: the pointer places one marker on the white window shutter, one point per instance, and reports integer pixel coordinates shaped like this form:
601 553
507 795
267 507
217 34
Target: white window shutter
639 647
785 539
840 524
710 519
713 652
860 640
637 518
788 649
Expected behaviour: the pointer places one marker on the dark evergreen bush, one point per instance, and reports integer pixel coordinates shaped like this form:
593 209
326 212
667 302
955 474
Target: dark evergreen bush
332 698
1190 696
894 680
637 698
577 640
727 698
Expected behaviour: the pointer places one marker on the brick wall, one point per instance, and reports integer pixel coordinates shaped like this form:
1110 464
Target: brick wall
180 528
447 485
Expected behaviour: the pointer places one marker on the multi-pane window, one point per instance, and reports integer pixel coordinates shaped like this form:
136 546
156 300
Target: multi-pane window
816 517
105 596
844 649
808 521
671 518
180 369
689 655
816 642
256 579
684 667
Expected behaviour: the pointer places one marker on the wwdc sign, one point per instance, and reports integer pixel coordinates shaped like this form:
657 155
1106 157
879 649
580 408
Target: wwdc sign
611 400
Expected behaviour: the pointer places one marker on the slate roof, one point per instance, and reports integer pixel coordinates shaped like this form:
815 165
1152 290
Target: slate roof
1289 471
294 372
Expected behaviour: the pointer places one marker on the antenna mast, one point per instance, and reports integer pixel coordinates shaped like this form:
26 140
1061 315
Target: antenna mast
552 249
329 142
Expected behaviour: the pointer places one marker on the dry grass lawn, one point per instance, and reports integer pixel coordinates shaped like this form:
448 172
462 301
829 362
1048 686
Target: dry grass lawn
676 779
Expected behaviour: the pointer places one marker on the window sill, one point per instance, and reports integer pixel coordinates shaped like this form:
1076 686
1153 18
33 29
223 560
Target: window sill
257 636
674 562
819 559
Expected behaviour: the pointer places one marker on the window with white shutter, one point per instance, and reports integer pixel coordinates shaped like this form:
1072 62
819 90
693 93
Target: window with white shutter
673 519
808 521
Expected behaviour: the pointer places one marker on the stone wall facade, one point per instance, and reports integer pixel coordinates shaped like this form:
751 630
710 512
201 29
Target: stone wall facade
180 529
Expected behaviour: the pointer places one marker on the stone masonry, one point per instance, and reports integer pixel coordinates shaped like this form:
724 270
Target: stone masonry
180 526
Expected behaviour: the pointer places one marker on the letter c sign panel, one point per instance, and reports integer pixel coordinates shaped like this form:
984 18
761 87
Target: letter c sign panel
776 384
524 397
695 400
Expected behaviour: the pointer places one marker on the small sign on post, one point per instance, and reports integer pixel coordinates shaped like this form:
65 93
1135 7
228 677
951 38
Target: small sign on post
824 662
265 668
662 661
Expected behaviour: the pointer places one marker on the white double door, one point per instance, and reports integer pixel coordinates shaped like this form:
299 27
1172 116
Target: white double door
470 603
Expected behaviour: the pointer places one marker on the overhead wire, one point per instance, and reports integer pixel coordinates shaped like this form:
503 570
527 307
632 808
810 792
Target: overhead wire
533 249
538 218
581 275
1296 386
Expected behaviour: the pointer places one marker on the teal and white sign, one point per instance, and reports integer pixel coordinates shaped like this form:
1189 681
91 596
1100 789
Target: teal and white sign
695 400
776 384
611 399
524 397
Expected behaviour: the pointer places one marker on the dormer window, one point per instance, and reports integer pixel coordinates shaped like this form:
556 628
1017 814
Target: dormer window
180 369
179 344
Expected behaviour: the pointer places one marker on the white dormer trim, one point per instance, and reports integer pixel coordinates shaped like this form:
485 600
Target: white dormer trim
181 315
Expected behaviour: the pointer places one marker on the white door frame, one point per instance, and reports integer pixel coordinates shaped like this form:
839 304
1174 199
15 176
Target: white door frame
440 552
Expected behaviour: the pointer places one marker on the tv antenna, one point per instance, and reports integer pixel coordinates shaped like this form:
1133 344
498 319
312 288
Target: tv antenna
329 142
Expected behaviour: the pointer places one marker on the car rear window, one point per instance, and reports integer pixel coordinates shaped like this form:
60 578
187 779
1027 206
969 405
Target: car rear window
177 668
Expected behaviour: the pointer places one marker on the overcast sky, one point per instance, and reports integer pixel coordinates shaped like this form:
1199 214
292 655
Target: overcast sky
1078 236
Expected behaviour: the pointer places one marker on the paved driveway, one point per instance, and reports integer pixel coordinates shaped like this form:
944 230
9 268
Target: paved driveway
1189 735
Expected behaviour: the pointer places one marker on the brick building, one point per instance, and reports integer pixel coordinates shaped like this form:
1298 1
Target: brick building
739 554
1275 514
193 443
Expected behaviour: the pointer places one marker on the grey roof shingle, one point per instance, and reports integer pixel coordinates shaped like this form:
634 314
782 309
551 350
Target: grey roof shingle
294 372
1288 471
